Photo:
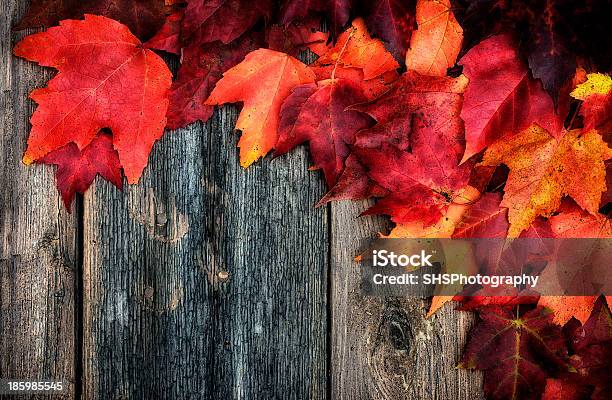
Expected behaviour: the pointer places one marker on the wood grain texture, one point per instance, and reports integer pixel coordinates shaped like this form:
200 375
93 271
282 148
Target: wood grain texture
161 319
385 348
37 236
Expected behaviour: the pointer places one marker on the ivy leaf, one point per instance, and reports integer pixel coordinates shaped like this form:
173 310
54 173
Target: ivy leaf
106 79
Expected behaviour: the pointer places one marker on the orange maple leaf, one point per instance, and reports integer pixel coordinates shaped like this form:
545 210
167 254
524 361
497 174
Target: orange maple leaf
262 82
543 170
434 46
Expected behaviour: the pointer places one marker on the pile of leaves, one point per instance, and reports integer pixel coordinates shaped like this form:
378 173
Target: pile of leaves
480 118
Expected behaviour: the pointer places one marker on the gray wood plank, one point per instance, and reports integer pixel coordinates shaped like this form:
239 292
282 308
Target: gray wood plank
148 310
385 348
38 255
161 319
271 340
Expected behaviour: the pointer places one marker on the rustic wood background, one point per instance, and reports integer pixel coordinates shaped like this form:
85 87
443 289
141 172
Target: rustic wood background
126 297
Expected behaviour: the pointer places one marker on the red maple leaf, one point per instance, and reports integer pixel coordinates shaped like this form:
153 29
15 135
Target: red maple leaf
517 352
106 79
501 96
77 169
318 113
424 112
206 21
168 38
143 17
393 21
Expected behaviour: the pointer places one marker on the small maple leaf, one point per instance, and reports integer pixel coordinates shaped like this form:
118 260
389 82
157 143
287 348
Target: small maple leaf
201 68
356 49
262 82
517 353
596 109
77 169
543 170
437 41
501 97
142 17
206 21
392 21
318 113
106 79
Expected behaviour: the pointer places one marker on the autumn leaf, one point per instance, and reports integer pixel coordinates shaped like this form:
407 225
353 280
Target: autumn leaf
318 113
596 109
543 170
297 36
484 219
501 97
555 36
517 353
573 222
356 49
77 169
201 68
225 20
106 79
143 17
443 228
436 103
262 82
422 183
168 38
437 41
393 22
562 389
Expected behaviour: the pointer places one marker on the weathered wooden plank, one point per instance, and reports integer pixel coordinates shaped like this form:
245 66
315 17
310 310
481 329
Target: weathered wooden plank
158 320
148 311
385 348
271 340
38 252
